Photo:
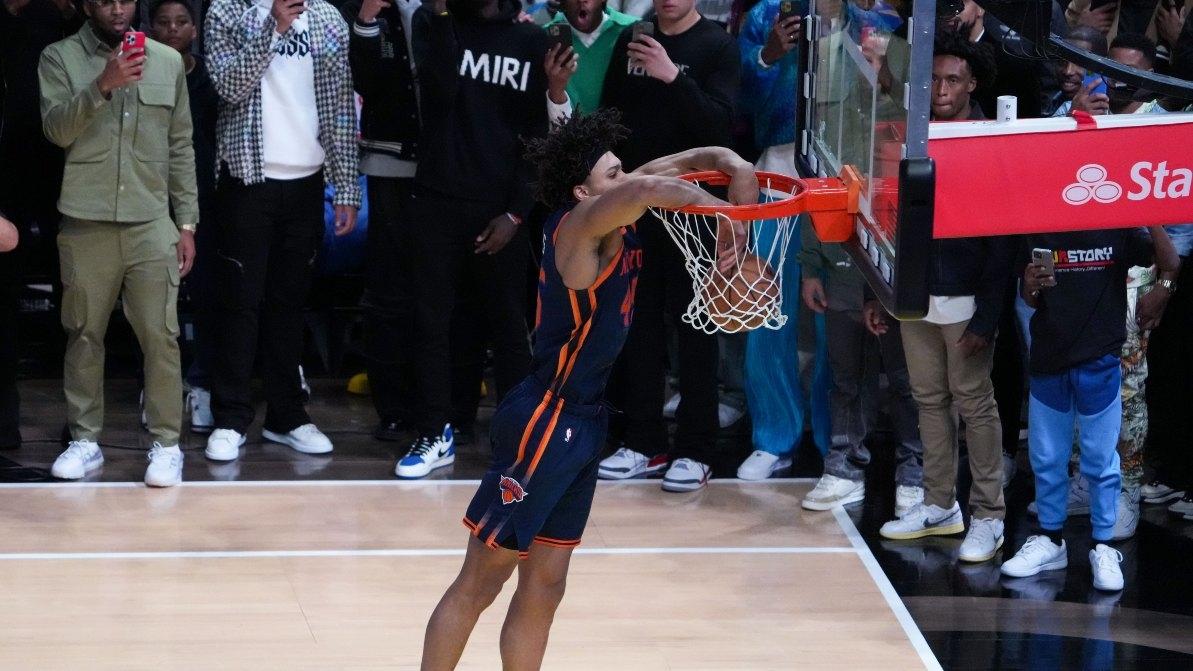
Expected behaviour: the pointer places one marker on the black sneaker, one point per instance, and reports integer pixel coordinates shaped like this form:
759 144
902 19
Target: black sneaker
390 431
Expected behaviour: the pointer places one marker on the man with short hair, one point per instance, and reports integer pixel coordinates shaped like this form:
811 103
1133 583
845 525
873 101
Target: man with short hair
174 24
287 125
123 117
1012 75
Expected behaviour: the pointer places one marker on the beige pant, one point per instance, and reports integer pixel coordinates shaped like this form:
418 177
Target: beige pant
943 378
102 261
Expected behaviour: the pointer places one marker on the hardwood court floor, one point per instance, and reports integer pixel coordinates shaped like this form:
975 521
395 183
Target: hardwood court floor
295 575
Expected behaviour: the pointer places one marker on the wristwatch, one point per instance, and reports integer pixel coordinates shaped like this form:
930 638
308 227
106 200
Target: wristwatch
188 227
1170 285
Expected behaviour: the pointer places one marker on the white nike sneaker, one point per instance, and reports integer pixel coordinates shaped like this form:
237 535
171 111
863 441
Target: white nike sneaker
1158 492
224 445
198 402
686 475
1126 517
761 465
426 454
626 463
1038 553
1104 562
925 520
80 458
307 439
906 498
983 540
165 466
1078 498
831 491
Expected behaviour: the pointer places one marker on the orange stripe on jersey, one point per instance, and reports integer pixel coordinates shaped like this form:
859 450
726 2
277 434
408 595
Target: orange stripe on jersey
575 308
562 380
545 540
538 412
543 443
606 272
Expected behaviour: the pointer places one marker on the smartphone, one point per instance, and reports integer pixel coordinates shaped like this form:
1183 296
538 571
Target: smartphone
790 8
133 39
1091 78
1043 258
561 34
643 28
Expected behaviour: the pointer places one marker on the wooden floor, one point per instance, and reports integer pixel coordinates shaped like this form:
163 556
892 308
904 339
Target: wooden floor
337 575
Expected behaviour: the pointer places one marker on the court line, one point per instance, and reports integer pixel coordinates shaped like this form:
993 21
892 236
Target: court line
914 635
423 552
366 483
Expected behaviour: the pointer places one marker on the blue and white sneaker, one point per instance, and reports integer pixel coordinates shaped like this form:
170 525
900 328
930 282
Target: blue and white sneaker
426 454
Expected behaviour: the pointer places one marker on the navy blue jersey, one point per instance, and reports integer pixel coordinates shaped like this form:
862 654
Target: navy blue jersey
579 334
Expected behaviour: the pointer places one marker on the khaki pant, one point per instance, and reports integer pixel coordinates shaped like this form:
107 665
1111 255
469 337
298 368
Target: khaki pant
102 261
943 378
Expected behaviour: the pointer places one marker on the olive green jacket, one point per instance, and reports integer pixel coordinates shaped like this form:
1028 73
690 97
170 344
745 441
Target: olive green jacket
129 157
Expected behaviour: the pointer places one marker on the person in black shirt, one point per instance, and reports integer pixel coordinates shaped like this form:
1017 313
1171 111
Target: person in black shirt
32 175
173 23
1015 74
1076 283
483 87
675 92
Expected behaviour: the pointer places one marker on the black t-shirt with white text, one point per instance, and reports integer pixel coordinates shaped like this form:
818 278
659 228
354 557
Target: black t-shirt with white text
1084 316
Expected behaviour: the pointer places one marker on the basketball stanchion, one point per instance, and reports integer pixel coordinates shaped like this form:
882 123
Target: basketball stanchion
735 254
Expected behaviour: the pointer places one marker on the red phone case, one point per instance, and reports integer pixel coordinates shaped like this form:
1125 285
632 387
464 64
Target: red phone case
133 39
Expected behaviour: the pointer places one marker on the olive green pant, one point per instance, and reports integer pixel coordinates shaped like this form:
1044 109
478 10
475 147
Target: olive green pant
103 261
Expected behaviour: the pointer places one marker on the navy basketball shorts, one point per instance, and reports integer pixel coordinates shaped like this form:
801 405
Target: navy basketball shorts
540 486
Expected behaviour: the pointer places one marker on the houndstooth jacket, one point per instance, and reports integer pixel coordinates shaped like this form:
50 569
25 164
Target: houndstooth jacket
239 49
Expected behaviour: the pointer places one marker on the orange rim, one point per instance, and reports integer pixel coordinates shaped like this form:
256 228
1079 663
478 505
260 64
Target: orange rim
772 181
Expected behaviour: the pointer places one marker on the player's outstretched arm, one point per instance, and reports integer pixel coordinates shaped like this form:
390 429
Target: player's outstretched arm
578 240
743 189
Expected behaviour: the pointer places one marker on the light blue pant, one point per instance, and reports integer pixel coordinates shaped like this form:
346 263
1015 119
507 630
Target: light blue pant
1088 397
774 385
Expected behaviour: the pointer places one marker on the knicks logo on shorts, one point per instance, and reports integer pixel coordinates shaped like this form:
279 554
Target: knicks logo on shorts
511 491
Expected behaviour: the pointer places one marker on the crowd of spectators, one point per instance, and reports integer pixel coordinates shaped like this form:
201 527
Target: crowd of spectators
201 161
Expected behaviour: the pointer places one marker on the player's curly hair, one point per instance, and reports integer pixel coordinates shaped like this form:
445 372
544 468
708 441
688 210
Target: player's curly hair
564 156
977 55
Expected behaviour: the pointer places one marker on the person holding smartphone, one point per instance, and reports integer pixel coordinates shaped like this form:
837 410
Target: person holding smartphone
130 209
593 29
1078 330
287 125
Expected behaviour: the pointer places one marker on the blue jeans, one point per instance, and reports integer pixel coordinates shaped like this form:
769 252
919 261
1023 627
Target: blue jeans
1089 397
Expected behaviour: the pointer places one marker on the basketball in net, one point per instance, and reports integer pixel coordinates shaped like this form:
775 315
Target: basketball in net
735 254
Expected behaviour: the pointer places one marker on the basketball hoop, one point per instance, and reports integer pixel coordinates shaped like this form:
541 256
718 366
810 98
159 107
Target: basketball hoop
749 294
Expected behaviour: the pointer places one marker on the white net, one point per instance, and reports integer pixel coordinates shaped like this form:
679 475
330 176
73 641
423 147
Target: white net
736 266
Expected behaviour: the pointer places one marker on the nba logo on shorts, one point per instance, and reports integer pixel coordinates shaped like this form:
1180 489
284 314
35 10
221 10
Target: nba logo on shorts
511 491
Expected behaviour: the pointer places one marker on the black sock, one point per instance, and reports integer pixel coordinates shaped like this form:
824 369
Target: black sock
1053 535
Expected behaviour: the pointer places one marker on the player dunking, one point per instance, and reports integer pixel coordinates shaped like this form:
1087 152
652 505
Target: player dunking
548 432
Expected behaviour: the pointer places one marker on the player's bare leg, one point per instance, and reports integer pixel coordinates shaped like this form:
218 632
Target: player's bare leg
480 581
542 577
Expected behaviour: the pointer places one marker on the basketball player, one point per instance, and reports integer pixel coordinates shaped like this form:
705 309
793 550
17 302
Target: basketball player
547 434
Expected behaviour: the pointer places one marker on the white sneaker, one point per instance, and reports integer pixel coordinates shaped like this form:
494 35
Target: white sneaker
1104 562
1183 507
426 454
686 475
831 491
1038 553
983 540
728 415
1126 517
906 498
224 445
626 463
198 402
165 466
761 465
925 520
1077 503
670 407
1158 492
307 439
80 458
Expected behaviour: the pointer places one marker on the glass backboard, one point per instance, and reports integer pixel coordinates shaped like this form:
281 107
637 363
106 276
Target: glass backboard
865 104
